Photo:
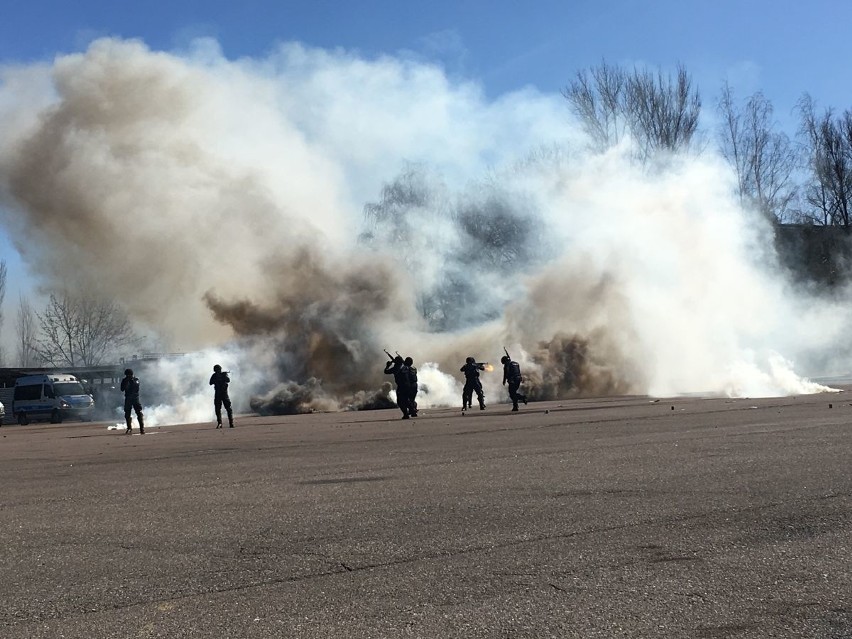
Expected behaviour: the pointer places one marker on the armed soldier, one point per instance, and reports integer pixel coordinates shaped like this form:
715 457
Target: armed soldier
219 381
512 376
472 384
412 386
130 387
396 367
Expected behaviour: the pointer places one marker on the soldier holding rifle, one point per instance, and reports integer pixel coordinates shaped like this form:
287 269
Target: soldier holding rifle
219 380
396 367
512 376
472 384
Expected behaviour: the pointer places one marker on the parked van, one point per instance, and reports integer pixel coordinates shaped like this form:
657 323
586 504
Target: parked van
53 397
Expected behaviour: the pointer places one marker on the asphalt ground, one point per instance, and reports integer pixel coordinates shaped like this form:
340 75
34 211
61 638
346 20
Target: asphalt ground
617 517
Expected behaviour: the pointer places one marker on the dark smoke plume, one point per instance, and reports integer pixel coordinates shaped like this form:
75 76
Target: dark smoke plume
291 398
324 321
568 367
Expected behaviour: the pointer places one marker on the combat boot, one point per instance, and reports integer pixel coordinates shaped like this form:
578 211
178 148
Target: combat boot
515 408
218 424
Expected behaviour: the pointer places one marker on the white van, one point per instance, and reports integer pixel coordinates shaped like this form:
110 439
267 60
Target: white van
49 396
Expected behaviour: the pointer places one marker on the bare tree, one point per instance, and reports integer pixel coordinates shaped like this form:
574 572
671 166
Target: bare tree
764 159
26 325
663 113
660 113
81 330
597 98
828 144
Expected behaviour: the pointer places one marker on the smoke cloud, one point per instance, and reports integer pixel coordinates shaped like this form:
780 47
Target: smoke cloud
295 215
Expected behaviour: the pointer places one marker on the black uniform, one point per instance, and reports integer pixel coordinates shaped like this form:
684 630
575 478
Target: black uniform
512 376
130 387
219 381
401 376
412 391
472 384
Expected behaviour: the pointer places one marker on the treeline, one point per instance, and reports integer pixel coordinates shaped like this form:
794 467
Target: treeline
804 179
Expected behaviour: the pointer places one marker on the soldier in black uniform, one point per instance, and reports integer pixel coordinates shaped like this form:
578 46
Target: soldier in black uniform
412 386
219 381
130 387
399 370
472 384
512 375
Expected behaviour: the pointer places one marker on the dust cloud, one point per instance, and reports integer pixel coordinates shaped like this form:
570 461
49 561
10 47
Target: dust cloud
298 214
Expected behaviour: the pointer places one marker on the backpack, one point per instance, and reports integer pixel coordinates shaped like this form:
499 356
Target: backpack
514 370
132 387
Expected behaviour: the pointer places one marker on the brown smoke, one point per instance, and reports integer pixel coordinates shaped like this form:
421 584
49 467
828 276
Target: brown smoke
325 318
132 183
293 398
569 367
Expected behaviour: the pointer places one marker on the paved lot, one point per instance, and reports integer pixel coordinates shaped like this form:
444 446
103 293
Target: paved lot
618 517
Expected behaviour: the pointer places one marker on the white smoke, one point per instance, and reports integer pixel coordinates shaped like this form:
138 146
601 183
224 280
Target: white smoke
184 184
177 390
677 275
437 388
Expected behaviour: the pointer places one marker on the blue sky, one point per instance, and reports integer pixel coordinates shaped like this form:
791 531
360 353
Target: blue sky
783 47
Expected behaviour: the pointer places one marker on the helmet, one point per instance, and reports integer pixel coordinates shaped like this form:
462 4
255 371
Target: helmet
504 359
408 361
398 359
128 372
217 368
470 360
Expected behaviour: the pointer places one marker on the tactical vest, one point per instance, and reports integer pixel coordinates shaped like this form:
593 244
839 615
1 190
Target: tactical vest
514 370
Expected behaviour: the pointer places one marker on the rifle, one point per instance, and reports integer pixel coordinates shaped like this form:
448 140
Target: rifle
507 353
390 357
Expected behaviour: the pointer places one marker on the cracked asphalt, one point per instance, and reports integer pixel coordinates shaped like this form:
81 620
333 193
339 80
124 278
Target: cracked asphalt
617 517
